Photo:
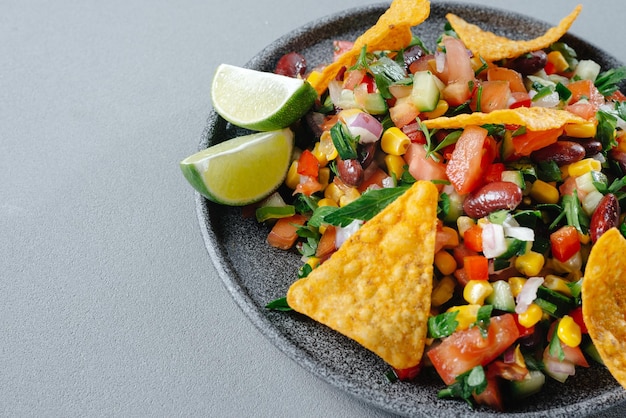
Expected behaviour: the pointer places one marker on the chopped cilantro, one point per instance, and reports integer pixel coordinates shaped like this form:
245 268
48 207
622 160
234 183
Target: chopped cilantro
471 382
443 324
279 304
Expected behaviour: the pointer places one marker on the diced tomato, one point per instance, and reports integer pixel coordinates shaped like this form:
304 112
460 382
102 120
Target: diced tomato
352 78
415 134
408 373
585 89
523 331
308 165
473 238
531 141
577 316
465 168
490 96
422 168
459 72
520 100
516 83
403 112
463 350
476 267
283 234
461 276
583 109
456 94
617 96
421 64
339 47
494 172
460 252
550 68
326 246
308 186
491 396
564 243
375 178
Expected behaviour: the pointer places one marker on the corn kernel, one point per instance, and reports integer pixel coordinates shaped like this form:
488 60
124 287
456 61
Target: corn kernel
557 59
516 284
313 262
314 77
452 235
333 192
543 192
583 167
445 262
443 291
322 228
327 202
395 165
530 263
569 331
463 223
350 195
468 314
554 282
440 110
532 315
323 177
293 178
394 141
475 291
321 157
581 130
327 147
518 357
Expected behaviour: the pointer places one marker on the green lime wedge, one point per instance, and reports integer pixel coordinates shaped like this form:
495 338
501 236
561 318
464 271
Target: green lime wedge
258 100
241 170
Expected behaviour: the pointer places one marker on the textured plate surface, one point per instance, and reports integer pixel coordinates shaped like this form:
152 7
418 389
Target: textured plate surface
255 273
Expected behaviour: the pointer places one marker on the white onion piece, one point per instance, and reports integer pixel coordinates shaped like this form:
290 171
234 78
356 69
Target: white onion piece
521 233
549 100
389 182
494 243
343 233
440 61
365 126
556 367
528 294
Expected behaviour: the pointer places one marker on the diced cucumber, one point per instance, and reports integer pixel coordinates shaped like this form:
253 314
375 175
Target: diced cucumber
528 386
456 205
590 202
425 93
587 70
585 182
562 304
590 349
501 298
507 150
514 176
375 104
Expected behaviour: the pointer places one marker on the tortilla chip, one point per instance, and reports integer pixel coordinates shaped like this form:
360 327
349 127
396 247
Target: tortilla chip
494 48
604 301
533 118
376 287
391 32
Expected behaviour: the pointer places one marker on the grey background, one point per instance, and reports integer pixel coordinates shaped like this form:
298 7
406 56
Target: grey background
109 303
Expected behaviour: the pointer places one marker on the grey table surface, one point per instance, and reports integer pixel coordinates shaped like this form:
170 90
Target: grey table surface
109 303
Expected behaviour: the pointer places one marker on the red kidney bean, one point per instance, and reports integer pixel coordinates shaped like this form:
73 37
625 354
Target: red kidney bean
529 63
491 197
592 146
291 65
366 153
619 157
350 171
605 217
561 152
412 54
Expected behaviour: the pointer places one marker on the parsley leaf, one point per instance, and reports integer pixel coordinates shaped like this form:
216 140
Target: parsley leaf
471 382
607 82
343 141
365 207
443 324
555 348
605 132
483 319
279 304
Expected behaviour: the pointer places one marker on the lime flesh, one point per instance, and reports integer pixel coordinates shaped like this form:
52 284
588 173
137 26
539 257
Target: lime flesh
241 170
259 100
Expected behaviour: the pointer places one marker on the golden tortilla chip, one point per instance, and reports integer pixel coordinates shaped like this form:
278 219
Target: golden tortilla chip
604 301
494 48
533 118
392 32
376 287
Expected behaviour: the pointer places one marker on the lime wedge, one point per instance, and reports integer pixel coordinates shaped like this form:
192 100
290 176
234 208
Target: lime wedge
259 100
241 170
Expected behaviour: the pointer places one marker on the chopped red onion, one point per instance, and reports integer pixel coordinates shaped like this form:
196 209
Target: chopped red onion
364 125
494 243
343 233
528 294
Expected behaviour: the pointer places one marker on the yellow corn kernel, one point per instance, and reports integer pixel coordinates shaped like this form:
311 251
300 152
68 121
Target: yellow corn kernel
564 169
321 157
327 147
322 228
532 315
440 110
569 331
518 357
443 291
516 284
475 291
327 202
333 192
543 192
445 262
621 144
324 177
314 77
463 223
581 130
395 165
584 238
350 195
583 167
554 282
530 263
293 178
394 141
558 60
313 262
468 314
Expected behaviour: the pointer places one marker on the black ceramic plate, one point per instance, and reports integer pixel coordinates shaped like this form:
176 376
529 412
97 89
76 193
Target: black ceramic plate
255 273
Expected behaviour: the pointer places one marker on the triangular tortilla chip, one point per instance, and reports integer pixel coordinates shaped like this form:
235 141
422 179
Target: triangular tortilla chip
492 47
604 301
391 32
376 287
